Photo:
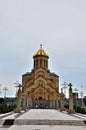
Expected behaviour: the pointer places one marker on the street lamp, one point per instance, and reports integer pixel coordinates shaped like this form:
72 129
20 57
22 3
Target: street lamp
18 100
17 84
0 88
81 94
5 90
76 95
64 87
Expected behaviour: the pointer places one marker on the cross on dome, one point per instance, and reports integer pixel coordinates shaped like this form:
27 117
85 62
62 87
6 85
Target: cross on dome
40 45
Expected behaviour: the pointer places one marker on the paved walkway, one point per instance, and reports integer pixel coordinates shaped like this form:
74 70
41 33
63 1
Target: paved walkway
49 114
46 116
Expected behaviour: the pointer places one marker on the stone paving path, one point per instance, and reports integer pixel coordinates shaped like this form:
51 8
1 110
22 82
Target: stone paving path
48 114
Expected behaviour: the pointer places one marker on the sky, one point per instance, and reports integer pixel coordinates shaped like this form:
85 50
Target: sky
59 25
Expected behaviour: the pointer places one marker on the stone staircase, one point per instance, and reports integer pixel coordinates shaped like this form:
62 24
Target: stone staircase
42 122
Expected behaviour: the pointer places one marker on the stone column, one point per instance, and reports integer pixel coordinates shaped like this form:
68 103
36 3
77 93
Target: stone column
53 104
24 103
50 104
71 110
56 104
27 103
62 101
18 102
30 103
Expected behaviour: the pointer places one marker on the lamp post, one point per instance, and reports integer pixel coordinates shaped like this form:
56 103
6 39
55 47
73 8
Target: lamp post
5 90
16 83
64 87
18 100
62 100
76 96
71 110
0 88
81 94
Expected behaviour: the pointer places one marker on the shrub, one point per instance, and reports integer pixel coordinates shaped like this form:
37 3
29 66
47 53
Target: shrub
75 108
83 111
6 108
78 109
66 106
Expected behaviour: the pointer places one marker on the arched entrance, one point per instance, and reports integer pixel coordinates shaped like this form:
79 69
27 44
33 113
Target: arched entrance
41 103
40 98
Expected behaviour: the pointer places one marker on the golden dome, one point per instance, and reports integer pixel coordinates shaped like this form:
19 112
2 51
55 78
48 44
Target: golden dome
41 52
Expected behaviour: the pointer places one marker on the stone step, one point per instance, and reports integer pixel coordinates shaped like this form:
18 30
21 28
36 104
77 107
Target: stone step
42 122
7 114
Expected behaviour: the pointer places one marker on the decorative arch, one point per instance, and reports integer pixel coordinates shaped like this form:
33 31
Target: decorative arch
41 74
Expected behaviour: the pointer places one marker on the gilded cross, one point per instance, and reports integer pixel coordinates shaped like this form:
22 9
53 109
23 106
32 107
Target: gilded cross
40 45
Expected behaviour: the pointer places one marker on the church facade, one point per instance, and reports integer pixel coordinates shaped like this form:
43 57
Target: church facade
40 87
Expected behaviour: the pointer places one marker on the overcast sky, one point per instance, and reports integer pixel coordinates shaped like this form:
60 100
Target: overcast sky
60 25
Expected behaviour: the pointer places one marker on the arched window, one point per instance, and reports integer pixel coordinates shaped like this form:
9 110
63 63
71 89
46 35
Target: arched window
40 62
44 64
36 63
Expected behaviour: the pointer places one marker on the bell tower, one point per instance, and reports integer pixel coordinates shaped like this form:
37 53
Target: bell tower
40 59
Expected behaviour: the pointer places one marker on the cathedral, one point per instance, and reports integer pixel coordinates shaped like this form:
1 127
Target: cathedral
40 87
